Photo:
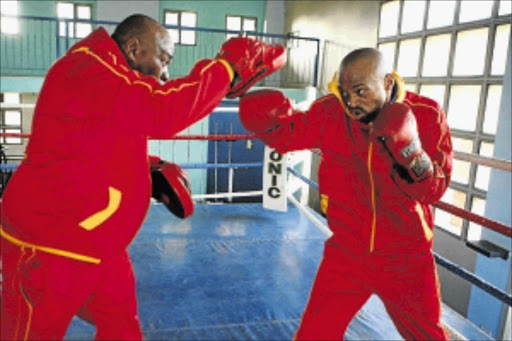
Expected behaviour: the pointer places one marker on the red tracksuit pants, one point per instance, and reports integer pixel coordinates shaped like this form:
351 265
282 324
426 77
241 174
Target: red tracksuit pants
407 284
41 293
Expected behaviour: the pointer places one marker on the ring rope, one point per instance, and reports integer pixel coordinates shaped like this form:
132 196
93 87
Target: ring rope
213 137
484 161
461 272
303 178
485 222
221 165
474 158
485 286
227 195
11 167
488 223
8 167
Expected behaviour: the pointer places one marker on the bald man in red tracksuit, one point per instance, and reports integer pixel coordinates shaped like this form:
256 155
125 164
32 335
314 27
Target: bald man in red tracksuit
378 200
83 190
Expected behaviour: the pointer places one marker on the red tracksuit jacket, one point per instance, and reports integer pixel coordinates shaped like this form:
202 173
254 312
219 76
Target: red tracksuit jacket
366 210
83 189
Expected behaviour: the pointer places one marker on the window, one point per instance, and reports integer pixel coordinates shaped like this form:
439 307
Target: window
470 52
240 24
505 7
483 173
68 10
10 120
436 58
410 87
447 221
461 169
455 52
434 91
441 13
475 230
463 107
181 19
471 10
388 25
388 50
499 55
411 11
492 109
408 57
9 25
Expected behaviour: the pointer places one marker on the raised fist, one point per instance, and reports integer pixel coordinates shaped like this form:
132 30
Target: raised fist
268 114
395 126
263 110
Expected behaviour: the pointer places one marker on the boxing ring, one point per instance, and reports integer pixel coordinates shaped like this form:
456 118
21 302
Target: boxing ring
241 272
236 272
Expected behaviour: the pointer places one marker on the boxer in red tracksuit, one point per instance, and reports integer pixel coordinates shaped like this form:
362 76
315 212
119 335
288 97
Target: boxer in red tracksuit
83 190
386 158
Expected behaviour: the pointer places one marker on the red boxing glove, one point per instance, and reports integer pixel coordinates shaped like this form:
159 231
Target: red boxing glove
264 110
251 61
171 186
395 126
268 114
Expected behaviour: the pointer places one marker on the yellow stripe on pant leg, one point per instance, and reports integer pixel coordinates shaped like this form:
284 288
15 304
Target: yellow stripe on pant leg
426 228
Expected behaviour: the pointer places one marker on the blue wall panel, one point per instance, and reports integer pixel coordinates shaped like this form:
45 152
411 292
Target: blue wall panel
484 310
249 179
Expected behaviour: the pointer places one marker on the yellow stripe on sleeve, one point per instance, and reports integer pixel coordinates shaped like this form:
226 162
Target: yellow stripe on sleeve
229 68
126 79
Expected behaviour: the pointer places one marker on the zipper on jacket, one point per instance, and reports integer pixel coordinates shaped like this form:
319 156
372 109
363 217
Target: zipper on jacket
372 186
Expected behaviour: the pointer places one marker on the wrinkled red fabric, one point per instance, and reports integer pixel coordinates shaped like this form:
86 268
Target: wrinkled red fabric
90 130
87 161
382 225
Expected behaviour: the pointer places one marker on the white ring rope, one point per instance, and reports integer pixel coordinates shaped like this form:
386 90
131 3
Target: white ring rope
226 195
311 216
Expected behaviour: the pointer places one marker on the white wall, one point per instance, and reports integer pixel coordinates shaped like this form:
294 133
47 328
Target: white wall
491 313
342 27
114 10
274 16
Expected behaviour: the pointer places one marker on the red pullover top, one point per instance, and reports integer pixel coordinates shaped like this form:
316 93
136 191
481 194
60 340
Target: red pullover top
370 209
83 189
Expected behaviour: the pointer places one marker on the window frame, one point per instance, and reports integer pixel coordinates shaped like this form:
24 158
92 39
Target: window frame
179 27
242 19
15 20
485 80
4 127
75 17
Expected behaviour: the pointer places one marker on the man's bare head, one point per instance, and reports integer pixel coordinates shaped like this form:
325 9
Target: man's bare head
365 83
145 44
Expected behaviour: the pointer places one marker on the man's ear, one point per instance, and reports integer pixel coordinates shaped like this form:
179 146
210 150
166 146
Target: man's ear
131 49
389 83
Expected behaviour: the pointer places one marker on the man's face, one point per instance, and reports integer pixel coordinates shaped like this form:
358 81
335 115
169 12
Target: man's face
154 52
363 90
